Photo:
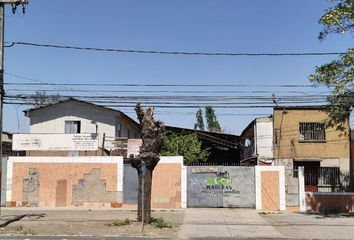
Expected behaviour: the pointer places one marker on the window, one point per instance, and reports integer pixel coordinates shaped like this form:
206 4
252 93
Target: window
312 131
72 126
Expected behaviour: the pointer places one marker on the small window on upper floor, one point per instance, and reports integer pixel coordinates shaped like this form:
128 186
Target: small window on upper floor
72 126
312 131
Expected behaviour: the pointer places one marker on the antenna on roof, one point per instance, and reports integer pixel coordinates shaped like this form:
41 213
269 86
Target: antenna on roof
275 99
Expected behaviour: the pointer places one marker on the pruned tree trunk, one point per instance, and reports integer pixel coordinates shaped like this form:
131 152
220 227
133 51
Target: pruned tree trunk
153 135
147 197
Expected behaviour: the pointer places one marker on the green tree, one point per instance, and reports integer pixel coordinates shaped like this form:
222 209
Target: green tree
187 146
338 75
213 124
199 125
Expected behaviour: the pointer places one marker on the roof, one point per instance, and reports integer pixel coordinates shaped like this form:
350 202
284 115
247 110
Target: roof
221 139
28 111
310 107
6 132
253 123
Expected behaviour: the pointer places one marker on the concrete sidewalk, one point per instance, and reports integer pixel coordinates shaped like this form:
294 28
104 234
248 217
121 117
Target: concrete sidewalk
225 223
197 223
312 226
249 224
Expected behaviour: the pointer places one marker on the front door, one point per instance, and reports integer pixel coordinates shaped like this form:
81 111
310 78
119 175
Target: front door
311 174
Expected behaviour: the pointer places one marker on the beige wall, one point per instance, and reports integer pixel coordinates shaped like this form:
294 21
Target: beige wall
166 186
334 151
50 176
270 190
60 182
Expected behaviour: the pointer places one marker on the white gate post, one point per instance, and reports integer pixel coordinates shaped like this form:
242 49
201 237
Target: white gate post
301 178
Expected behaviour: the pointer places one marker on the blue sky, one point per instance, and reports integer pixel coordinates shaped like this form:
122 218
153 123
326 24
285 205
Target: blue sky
199 25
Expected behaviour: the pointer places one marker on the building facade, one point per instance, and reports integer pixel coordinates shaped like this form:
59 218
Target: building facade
257 142
113 129
302 138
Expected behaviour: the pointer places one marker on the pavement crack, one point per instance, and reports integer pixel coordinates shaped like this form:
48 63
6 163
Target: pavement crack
227 225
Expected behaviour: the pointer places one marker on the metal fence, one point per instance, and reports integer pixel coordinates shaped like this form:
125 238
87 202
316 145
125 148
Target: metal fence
226 164
236 164
221 186
326 179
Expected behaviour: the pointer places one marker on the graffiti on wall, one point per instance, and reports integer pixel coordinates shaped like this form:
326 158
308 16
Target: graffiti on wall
220 184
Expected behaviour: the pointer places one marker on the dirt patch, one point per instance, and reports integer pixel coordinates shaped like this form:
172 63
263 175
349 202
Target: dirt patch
90 222
16 230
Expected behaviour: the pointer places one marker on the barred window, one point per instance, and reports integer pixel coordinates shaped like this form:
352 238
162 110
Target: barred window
312 131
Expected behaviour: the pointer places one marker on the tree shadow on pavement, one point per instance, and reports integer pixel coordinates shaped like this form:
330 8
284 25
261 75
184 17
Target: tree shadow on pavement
16 218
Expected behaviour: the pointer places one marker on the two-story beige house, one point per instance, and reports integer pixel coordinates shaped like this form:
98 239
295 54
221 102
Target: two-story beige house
301 138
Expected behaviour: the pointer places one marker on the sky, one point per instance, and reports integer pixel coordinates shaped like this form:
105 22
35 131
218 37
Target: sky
195 26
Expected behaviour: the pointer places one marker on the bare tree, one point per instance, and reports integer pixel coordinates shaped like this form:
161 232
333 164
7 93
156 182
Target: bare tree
153 135
41 98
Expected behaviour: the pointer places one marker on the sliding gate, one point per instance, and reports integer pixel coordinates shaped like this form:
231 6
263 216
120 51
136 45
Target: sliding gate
221 186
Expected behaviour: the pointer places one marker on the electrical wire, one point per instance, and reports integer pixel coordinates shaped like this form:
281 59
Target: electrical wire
230 54
160 85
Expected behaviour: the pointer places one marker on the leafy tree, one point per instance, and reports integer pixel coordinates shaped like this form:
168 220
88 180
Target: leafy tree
187 146
338 19
338 75
153 135
199 125
213 124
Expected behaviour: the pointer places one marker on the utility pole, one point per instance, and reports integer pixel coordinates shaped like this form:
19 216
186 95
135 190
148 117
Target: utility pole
14 4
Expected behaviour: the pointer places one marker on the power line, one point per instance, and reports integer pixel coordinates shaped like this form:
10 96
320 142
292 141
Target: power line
158 91
239 54
183 99
161 85
62 88
44 83
162 106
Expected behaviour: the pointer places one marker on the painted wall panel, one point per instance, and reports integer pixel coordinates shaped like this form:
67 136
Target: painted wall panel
218 186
